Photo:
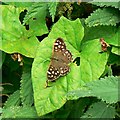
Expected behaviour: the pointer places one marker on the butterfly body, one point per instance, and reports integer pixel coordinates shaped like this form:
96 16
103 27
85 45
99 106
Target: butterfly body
60 59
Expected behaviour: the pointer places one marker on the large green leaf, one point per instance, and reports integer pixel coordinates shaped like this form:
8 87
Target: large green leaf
35 17
14 37
19 112
100 110
106 32
105 16
104 4
52 98
105 89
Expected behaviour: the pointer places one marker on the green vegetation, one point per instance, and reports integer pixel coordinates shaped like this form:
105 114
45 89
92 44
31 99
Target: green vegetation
28 32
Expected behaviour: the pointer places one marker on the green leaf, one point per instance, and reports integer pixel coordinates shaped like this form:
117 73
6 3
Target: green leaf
115 39
73 31
91 60
100 110
20 4
26 92
106 32
52 9
105 16
116 50
35 17
15 38
19 112
105 89
115 4
80 93
13 100
52 98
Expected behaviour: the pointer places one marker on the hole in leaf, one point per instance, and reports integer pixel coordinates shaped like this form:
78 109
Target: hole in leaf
77 61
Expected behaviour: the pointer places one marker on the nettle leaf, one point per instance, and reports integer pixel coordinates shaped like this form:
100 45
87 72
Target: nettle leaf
13 100
105 16
35 17
104 4
52 9
19 112
98 89
76 94
106 89
26 90
52 98
116 50
14 37
100 110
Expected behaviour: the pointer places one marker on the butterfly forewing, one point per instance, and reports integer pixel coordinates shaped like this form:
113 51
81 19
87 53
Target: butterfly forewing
60 59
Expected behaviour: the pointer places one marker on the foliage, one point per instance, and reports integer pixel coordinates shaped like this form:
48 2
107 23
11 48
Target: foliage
28 31
99 90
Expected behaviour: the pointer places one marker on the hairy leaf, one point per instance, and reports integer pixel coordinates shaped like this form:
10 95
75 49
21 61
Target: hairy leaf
52 9
26 92
105 89
105 16
13 100
35 17
52 98
100 110
115 4
15 38
19 112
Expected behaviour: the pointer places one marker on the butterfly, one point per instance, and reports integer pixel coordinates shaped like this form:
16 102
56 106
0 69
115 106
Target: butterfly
60 59
104 45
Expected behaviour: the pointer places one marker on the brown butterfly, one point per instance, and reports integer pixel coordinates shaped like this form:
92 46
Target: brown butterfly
60 59
104 45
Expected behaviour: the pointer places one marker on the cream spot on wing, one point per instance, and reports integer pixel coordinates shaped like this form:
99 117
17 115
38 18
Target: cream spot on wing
55 43
52 72
66 52
48 72
56 47
55 73
51 76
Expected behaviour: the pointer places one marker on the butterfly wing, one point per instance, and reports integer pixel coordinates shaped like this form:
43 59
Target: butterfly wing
59 61
61 52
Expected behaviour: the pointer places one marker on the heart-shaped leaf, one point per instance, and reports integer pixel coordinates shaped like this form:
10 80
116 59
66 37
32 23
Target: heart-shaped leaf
53 97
